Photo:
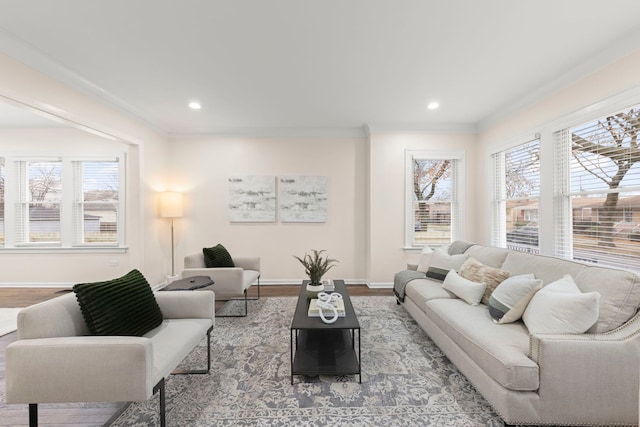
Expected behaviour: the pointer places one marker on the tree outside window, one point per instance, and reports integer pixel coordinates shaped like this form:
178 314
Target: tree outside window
604 189
432 204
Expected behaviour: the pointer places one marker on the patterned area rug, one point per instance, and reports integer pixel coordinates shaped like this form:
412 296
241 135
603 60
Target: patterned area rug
406 379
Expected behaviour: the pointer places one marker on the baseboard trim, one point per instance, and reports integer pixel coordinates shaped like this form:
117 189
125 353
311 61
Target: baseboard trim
380 285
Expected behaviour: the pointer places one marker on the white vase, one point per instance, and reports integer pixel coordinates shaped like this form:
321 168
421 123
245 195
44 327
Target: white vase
314 290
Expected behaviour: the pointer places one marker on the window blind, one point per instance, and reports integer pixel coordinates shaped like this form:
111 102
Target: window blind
434 212
2 204
516 193
597 212
96 202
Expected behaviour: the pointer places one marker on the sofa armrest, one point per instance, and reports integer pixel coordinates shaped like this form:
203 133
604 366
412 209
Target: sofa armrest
79 369
247 262
187 304
595 372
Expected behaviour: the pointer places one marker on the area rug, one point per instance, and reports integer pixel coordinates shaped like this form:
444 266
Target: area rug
406 379
8 320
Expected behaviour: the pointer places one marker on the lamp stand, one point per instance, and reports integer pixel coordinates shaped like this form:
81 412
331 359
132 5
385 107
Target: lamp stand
173 264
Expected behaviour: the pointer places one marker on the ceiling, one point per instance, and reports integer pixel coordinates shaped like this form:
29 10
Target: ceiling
256 65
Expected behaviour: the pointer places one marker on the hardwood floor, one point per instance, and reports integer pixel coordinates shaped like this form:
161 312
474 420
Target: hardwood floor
100 414
22 297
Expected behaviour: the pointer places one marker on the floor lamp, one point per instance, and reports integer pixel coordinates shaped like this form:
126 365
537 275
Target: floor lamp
171 207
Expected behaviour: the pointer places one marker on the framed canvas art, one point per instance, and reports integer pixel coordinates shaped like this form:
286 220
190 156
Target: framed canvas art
252 198
302 198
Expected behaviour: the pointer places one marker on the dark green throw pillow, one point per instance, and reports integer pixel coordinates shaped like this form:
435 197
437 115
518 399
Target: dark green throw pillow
437 273
123 306
217 256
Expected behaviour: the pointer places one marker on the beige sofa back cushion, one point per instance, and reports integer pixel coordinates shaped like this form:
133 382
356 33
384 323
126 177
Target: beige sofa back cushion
619 290
619 295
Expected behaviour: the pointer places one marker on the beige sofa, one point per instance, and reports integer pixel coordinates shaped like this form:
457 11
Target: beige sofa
54 359
554 379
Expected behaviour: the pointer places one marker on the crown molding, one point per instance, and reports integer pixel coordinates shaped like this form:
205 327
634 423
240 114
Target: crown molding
417 128
276 132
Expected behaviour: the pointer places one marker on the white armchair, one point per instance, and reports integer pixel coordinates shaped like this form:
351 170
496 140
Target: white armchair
229 282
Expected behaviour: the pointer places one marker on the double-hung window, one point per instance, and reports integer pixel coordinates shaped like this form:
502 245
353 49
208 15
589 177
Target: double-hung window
433 190
62 202
516 197
597 190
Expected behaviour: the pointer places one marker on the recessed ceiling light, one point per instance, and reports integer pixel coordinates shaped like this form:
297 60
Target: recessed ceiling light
433 105
195 105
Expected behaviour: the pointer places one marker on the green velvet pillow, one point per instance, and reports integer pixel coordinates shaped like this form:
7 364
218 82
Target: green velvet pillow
217 256
123 306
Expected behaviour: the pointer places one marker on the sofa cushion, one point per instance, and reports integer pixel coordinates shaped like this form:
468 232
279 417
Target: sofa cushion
422 290
470 292
425 259
561 308
172 341
546 268
476 271
499 350
441 262
122 306
510 299
488 255
619 289
217 257
619 295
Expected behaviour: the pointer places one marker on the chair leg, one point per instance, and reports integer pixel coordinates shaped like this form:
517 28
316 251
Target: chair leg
33 415
200 371
246 308
160 387
258 297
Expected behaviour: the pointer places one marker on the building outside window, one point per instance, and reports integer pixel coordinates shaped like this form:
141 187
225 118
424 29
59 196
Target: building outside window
516 197
433 191
597 190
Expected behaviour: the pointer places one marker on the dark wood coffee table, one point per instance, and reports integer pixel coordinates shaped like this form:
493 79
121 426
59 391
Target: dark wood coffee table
318 348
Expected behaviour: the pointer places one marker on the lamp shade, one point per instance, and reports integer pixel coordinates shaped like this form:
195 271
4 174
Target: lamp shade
170 204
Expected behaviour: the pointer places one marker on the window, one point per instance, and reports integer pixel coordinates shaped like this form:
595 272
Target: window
597 190
63 202
1 200
433 192
96 201
516 197
39 200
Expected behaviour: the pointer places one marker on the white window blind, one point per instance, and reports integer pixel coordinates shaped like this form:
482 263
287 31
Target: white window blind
96 202
433 209
2 206
597 190
516 197
38 207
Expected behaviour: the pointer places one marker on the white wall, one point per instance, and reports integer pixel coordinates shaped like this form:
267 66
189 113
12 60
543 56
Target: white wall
387 196
24 87
201 167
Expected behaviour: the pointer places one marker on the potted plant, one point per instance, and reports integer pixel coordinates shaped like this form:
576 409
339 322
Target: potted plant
315 266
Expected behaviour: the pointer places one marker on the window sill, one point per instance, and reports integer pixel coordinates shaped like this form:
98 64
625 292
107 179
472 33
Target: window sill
59 250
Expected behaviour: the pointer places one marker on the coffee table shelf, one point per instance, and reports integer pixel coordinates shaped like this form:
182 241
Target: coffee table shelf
318 348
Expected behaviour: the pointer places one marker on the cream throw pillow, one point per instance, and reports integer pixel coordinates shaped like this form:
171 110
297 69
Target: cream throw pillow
465 289
561 308
510 299
425 258
474 270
